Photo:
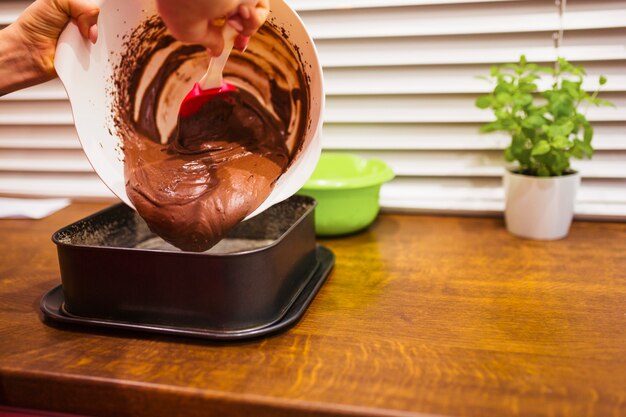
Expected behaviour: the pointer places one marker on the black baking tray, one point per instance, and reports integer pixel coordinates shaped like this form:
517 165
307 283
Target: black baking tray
259 279
52 305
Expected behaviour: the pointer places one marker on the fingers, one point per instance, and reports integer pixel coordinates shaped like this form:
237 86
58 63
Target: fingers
93 34
241 42
236 23
214 42
86 15
247 21
251 18
190 21
201 32
244 11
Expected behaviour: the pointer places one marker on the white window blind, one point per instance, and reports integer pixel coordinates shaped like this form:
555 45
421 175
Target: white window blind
401 83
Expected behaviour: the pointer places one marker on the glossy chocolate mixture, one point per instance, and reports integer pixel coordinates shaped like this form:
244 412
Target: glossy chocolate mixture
194 178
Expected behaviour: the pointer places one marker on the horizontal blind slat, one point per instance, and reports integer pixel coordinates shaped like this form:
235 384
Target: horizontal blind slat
39 143
38 137
345 136
412 81
51 90
591 211
10 10
595 199
471 49
591 190
385 57
76 186
60 160
436 108
454 21
303 5
467 163
53 112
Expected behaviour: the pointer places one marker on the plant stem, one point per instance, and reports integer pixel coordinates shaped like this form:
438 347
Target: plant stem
558 37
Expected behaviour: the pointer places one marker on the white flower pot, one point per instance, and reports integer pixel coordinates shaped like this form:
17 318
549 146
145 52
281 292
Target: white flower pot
539 207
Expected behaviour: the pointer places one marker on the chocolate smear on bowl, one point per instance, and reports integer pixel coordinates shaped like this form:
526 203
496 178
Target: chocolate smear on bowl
192 179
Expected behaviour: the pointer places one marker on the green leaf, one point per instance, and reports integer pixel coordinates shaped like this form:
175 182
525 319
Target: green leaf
504 97
546 70
528 79
530 133
541 148
542 171
602 80
533 121
522 100
502 87
560 129
587 149
581 149
484 102
576 151
553 130
522 60
561 104
567 127
572 88
508 155
579 70
491 127
528 87
600 102
561 142
588 133
566 67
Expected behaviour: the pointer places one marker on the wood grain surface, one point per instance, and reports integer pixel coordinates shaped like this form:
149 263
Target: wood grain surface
422 315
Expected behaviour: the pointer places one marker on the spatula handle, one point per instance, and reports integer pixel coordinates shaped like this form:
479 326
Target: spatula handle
213 77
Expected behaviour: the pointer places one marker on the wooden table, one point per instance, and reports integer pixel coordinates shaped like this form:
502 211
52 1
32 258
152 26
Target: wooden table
422 315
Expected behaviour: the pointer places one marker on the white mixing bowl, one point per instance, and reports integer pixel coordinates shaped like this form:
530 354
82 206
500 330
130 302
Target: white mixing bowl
86 71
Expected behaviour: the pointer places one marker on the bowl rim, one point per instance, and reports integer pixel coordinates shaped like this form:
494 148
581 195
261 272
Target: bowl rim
382 173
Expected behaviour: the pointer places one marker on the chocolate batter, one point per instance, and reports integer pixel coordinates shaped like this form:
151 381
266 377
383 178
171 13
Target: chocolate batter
194 178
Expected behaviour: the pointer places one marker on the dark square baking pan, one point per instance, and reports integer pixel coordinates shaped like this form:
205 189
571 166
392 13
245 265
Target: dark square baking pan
115 270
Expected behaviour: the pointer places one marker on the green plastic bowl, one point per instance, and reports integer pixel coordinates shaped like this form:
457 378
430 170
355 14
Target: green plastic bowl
347 189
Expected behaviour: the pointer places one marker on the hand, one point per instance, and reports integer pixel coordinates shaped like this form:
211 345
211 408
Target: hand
41 24
195 21
29 44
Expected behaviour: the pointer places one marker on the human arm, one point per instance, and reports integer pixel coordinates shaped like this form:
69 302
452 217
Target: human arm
28 45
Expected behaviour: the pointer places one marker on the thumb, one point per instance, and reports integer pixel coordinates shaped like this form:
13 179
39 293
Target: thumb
86 15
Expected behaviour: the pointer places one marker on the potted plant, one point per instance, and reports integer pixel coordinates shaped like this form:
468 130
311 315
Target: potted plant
547 130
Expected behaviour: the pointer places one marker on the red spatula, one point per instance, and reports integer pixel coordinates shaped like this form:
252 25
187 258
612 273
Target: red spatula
212 83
